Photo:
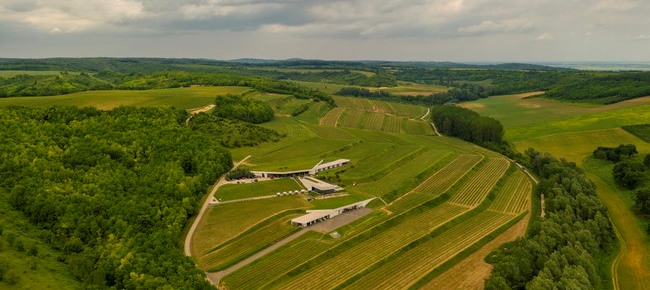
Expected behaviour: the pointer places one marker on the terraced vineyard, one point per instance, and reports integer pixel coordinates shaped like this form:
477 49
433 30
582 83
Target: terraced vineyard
377 115
433 202
249 243
474 192
332 117
405 173
513 198
438 183
406 269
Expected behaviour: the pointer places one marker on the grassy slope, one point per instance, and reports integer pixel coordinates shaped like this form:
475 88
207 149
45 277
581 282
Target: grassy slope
573 132
40 272
255 189
185 98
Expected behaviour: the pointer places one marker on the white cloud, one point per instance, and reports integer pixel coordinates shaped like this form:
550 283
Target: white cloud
614 5
60 16
642 37
490 26
545 36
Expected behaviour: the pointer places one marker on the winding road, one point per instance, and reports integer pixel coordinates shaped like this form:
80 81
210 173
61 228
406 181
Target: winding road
432 124
206 204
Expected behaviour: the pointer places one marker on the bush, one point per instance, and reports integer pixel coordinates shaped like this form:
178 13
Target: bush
239 173
628 174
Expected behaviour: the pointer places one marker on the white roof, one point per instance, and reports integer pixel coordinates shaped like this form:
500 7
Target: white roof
312 216
315 214
331 163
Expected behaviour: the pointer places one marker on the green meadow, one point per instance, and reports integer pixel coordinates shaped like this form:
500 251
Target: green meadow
573 132
185 98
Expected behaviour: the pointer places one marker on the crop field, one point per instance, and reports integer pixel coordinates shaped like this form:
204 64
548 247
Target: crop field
391 124
352 118
295 154
404 174
481 183
224 222
376 115
414 89
576 146
372 164
514 196
277 263
573 132
337 269
383 107
255 189
374 121
249 243
539 110
416 127
332 117
392 156
185 98
406 269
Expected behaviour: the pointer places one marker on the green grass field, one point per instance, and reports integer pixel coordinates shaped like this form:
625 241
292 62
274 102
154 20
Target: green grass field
224 222
255 189
414 89
185 98
574 132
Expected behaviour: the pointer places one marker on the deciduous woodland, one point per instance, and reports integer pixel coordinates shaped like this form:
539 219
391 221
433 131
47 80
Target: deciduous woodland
111 190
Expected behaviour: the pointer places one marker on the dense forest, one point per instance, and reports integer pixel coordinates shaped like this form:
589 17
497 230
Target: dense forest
243 109
605 89
112 190
560 250
232 133
468 125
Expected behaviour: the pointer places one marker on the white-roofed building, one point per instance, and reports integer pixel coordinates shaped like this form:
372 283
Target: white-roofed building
319 215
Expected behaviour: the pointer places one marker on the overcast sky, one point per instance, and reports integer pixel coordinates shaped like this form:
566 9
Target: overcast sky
431 30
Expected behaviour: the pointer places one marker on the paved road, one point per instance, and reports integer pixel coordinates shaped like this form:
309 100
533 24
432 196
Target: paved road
206 204
322 227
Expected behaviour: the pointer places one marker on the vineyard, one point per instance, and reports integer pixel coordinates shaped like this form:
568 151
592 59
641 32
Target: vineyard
414 264
439 198
377 115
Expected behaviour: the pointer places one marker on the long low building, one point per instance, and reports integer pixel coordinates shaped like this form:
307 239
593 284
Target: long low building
319 215
320 167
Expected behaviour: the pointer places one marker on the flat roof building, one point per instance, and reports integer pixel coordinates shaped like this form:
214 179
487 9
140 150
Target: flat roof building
319 215
320 167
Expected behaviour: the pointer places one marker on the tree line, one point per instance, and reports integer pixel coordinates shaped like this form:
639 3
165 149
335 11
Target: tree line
561 250
462 93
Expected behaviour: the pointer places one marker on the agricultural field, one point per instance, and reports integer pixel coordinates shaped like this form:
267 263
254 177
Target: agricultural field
185 98
573 132
377 115
413 174
254 189
413 89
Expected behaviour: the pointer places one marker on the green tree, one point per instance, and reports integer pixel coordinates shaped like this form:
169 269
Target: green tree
642 200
